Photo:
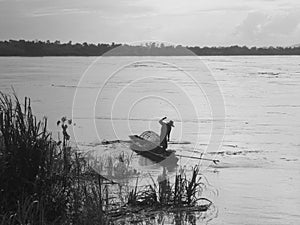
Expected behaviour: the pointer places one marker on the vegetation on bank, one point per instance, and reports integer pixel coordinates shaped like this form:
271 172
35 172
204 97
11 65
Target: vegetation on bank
43 181
47 48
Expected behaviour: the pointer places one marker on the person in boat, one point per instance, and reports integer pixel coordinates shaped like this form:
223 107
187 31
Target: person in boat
165 132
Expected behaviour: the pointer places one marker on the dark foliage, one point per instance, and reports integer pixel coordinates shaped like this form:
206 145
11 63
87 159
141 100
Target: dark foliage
30 163
42 181
41 48
244 50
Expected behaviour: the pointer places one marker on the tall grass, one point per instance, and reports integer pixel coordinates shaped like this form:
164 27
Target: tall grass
29 160
42 181
184 192
178 199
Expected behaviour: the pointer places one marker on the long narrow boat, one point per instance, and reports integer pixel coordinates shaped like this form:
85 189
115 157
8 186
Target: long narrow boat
151 150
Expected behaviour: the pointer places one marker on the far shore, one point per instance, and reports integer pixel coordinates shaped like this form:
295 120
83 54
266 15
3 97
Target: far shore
25 48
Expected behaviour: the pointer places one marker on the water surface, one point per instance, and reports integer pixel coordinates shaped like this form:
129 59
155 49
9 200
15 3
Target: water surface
258 178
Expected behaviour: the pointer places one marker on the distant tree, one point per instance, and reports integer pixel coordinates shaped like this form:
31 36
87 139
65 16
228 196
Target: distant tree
40 48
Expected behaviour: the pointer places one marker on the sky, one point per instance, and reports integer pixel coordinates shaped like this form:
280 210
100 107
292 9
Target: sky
186 22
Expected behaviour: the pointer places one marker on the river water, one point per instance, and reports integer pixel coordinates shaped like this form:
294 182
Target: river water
257 180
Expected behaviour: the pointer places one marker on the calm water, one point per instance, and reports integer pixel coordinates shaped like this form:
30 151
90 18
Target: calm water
258 178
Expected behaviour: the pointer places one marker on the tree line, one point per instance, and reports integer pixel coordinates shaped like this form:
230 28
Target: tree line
56 48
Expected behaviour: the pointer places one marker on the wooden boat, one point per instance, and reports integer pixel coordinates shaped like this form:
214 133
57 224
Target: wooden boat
151 149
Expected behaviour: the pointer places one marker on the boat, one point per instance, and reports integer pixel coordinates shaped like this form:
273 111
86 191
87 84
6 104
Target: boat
147 145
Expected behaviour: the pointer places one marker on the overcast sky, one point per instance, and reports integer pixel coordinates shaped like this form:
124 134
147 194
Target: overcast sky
187 22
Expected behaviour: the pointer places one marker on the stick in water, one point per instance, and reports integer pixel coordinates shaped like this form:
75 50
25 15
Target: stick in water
215 161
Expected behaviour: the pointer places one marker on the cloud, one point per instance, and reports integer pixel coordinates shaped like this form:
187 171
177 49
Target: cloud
55 12
27 8
251 27
197 22
283 24
261 26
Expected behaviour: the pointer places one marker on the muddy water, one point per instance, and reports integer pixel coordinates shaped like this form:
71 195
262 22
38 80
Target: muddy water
258 177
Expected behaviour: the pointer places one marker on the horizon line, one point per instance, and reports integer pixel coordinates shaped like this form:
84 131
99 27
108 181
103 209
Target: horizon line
147 42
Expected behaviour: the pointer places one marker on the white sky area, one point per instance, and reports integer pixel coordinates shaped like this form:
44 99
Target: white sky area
186 22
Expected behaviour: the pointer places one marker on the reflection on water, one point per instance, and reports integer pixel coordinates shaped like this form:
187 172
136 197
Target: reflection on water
178 217
170 165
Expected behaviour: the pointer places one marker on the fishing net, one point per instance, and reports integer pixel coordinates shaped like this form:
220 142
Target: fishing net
151 136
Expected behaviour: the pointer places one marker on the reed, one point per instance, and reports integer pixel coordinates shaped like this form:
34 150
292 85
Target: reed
42 181
28 211
185 192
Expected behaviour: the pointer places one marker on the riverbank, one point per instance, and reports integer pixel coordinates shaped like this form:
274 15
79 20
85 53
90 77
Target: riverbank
47 48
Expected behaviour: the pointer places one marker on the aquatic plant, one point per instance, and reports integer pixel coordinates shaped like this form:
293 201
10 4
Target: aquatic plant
42 181
179 200
185 192
28 157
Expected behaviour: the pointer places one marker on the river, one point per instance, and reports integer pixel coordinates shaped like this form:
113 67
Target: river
258 178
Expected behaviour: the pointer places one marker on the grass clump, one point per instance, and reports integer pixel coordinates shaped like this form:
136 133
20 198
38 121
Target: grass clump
43 181
184 192
179 200
30 170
